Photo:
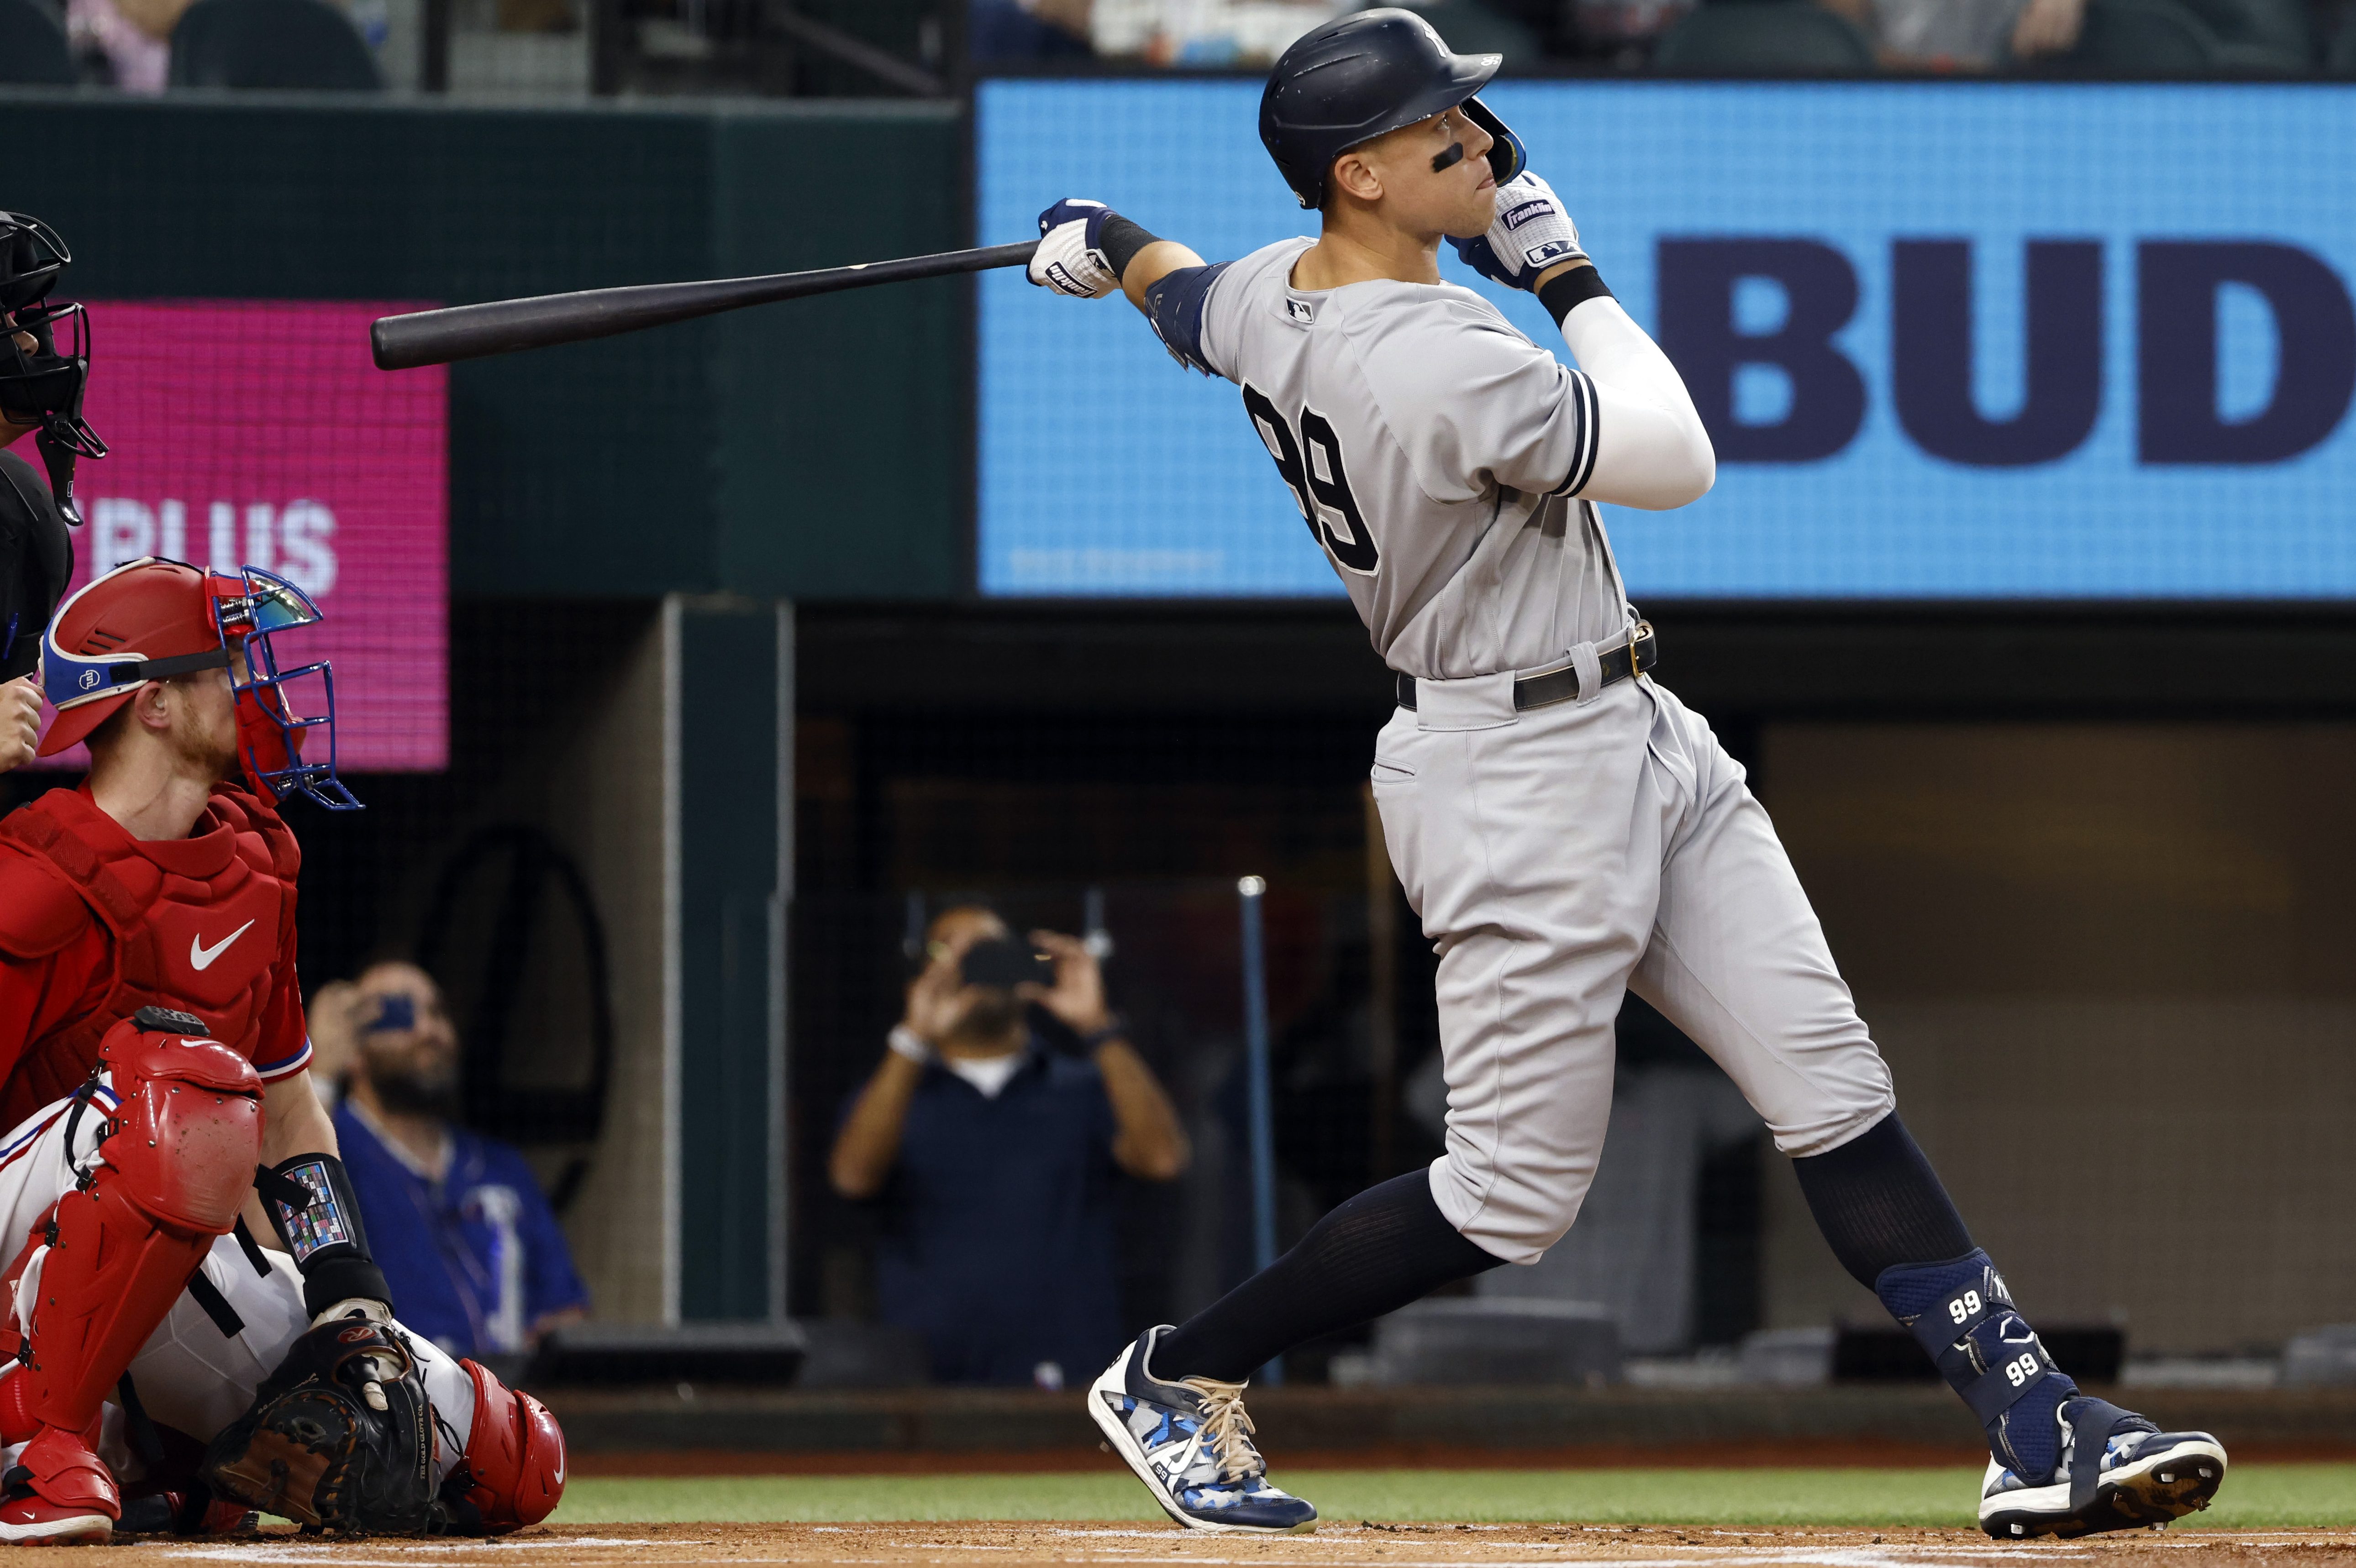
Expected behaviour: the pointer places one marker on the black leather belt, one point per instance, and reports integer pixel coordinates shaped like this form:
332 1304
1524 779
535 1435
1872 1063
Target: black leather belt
1641 653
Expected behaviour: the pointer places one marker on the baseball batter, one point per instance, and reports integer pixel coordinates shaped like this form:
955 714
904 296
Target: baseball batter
1565 828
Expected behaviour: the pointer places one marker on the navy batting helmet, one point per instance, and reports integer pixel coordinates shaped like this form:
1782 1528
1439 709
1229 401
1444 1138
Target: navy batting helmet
1360 76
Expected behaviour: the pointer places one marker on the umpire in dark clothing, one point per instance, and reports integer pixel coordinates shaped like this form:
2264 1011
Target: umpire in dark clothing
993 1159
36 558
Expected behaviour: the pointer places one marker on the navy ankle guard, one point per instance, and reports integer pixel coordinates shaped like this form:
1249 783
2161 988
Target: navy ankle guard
1963 1317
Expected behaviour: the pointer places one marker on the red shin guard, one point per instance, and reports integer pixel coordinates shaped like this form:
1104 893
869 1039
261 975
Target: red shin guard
119 1249
104 1285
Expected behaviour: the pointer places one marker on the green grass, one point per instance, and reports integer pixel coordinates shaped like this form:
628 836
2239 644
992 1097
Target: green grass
2257 1496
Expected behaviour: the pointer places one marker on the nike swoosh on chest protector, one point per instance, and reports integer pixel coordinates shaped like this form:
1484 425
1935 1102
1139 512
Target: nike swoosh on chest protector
201 957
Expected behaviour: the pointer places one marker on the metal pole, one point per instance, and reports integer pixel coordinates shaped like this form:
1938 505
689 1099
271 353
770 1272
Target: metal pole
1382 998
609 43
433 48
1262 1112
1093 931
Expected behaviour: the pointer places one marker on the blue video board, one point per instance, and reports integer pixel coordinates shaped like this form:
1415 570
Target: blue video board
1954 340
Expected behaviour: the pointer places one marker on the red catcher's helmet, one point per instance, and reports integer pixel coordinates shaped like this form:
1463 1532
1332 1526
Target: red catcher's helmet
122 626
155 619
512 1472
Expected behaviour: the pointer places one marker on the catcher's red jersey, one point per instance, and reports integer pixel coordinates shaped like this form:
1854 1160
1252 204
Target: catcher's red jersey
95 924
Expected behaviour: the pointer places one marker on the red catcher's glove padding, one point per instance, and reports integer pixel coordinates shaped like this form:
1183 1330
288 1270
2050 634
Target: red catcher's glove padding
514 1463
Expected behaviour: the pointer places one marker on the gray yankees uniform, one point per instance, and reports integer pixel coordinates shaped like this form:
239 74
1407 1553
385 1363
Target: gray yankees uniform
1557 854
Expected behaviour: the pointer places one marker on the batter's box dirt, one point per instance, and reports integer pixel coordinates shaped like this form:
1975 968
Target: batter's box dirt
1338 1544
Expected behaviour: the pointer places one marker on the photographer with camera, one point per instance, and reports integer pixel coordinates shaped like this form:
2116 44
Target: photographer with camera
994 1155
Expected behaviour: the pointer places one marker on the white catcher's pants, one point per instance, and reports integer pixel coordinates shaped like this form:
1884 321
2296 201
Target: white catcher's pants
1561 857
191 1376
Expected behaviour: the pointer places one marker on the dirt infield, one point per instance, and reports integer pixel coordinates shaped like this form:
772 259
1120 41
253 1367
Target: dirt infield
1816 1453
1335 1545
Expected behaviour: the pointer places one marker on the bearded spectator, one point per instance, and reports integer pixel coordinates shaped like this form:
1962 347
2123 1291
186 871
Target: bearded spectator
458 1220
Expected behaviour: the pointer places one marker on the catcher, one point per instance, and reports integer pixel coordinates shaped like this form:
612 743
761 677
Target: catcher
186 1265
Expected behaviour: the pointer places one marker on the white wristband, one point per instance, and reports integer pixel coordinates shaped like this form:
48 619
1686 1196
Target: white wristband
907 1042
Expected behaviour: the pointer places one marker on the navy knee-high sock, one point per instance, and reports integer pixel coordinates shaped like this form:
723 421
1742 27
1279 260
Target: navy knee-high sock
1891 1222
1387 1246
1879 1203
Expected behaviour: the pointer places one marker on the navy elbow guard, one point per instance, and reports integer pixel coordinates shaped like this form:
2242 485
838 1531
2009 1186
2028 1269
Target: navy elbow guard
1174 305
317 1217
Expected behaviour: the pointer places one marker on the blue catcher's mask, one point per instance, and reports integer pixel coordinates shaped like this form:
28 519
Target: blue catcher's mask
272 727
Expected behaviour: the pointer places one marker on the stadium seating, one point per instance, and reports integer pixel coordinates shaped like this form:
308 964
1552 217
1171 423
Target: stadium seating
2342 61
1763 35
33 51
283 44
1472 27
2139 36
2260 35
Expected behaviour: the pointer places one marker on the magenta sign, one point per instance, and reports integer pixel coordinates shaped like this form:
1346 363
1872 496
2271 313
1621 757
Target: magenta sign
259 434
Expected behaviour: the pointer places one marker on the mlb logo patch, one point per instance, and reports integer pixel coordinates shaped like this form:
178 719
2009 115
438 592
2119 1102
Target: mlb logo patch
1301 311
1552 250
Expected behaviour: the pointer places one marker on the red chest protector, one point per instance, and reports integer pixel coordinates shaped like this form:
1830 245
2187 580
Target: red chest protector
203 936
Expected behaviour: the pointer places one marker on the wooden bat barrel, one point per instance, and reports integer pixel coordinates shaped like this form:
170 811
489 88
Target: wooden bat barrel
506 326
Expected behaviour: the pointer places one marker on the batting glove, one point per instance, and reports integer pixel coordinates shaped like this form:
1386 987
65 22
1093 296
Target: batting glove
1530 233
1070 259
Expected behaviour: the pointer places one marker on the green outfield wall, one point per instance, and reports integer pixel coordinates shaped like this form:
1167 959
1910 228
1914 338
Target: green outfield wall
807 451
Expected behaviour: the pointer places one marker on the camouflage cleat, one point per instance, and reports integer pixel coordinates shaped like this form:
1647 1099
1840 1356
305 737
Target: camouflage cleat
1190 1443
2117 1471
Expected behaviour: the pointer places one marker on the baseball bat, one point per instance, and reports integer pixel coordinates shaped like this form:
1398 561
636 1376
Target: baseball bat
504 326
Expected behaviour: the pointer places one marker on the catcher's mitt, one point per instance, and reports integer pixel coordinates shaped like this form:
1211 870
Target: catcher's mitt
313 1450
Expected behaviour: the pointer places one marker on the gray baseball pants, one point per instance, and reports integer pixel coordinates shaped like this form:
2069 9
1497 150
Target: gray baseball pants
1561 857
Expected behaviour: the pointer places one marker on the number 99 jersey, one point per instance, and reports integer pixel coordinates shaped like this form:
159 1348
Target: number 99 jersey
1436 453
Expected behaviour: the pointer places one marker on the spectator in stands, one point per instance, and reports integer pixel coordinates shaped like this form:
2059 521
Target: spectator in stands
1215 33
1965 35
456 1220
131 39
1622 34
1002 31
993 1154
335 1040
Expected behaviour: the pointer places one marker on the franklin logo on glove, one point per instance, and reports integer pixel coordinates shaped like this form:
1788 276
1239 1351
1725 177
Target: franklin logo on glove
1531 233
